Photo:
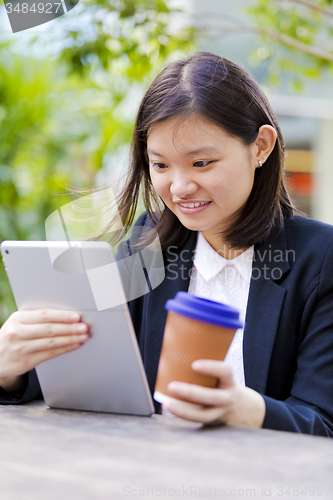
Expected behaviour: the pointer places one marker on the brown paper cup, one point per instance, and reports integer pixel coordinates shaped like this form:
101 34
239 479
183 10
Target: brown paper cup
186 340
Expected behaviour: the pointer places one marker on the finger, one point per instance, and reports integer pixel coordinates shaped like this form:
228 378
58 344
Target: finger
40 357
46 330
200 395
217 369
48 316
50 344
204 415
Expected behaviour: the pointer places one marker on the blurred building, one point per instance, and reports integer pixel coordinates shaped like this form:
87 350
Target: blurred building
306 119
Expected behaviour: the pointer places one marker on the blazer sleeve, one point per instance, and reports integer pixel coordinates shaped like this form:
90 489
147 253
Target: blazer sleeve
29 393
309 409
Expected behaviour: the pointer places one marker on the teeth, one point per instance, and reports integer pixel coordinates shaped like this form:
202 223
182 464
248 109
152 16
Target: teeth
193 205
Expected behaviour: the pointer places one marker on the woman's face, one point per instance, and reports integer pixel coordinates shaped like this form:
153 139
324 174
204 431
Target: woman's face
203 175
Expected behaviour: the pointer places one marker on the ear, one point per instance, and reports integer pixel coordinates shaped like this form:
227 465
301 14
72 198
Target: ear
264 144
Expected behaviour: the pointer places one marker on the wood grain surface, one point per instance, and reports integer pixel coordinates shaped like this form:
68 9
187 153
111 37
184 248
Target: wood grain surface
58 455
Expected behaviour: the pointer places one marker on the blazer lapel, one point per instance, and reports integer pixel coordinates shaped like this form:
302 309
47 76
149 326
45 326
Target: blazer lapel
265 303
266 297
178 265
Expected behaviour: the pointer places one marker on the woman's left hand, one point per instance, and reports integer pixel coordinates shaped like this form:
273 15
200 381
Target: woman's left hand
229 403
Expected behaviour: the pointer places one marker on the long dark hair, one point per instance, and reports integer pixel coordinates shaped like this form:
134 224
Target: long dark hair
224 94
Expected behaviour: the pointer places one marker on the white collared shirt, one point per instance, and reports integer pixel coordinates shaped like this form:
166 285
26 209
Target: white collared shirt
216 278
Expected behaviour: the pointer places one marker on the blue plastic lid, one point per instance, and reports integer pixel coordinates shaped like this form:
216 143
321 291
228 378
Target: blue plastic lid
205 310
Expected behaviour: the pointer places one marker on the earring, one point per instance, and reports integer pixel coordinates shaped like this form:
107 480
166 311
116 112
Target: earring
260 163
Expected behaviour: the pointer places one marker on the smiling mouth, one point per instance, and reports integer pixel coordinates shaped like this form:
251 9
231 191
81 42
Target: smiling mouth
194 205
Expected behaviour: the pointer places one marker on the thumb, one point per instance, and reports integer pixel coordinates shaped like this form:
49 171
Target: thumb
226 377
214 368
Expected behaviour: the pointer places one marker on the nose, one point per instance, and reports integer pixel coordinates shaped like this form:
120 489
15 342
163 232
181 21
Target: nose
182 186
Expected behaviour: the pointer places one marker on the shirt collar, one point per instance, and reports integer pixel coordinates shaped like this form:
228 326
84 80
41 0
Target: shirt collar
209 263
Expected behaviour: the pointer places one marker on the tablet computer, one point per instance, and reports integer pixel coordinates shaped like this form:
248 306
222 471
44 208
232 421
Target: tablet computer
106 374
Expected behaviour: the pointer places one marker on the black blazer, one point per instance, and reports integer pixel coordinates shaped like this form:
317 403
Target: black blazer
288 334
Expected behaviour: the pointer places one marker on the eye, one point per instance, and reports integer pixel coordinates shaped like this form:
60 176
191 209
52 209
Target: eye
159 166
201 163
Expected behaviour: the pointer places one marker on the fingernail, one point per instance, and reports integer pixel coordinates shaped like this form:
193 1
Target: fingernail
74 317
169 406
197 364
81 328
83 337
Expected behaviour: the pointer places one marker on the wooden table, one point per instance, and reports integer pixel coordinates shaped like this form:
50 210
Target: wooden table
62 455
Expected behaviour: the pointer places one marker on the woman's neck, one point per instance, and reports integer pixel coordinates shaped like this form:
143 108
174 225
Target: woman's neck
221 247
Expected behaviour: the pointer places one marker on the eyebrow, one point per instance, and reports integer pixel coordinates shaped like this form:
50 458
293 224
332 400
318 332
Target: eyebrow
203 149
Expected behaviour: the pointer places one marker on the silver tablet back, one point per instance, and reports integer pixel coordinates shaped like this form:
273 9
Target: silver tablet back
106 374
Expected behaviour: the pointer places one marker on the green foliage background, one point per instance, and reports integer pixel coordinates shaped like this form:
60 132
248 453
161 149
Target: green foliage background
67 102
295 37
61 113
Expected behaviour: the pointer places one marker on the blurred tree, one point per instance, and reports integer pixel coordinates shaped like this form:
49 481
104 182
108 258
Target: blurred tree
61 115
296 36
29 153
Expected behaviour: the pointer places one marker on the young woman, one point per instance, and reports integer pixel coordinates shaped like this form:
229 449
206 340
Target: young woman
208 156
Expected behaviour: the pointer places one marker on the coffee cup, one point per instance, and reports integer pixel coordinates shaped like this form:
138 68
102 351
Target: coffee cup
195 328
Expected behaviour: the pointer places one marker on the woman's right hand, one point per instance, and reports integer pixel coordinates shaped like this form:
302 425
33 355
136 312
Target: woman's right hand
28 338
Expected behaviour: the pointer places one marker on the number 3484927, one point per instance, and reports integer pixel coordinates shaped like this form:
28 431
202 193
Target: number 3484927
35 8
